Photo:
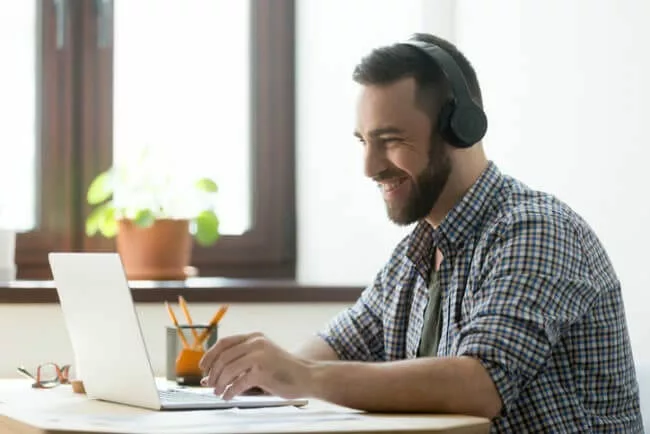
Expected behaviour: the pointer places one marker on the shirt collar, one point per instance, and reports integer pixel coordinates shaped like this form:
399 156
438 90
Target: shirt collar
460 222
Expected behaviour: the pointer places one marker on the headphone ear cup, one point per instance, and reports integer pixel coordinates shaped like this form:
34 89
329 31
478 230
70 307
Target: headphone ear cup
445 122
469 124
461 125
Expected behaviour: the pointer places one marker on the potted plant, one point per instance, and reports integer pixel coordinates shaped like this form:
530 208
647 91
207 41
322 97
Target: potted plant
154 211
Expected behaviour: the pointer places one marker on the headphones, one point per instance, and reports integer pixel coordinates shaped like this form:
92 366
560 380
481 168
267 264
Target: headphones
461 121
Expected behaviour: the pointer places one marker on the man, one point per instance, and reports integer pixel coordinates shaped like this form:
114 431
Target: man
500 303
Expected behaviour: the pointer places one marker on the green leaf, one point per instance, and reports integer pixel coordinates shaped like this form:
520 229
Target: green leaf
207 228
207 185
108 225
144 218
92 222
101 188
102 219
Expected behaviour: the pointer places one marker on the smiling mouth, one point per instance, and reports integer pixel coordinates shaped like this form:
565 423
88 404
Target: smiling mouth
387 187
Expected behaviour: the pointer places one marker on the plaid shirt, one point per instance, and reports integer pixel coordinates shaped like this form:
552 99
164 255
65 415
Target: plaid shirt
528 290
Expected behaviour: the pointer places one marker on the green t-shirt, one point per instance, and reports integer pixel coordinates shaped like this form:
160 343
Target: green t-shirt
432 327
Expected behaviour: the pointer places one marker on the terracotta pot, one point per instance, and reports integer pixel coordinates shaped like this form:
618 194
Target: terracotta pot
159 252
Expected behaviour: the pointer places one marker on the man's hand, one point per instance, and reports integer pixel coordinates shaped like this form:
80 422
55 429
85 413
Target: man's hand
246 361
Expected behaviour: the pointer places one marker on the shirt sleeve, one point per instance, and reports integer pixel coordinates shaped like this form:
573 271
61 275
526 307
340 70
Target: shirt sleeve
535 287
356 333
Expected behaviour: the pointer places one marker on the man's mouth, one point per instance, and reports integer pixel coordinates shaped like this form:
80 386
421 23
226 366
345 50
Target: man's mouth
393 184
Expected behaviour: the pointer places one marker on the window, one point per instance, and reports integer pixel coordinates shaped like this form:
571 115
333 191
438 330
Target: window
185 93
37 154
112 76
17 83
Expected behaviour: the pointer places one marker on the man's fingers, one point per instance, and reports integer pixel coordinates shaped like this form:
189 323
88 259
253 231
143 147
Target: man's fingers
240 385
217 373
233 371
227 356
223 344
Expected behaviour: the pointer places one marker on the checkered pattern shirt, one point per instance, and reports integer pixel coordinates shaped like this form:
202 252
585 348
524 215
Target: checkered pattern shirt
528 290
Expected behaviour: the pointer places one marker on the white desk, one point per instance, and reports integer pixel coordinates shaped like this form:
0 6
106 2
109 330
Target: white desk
24 410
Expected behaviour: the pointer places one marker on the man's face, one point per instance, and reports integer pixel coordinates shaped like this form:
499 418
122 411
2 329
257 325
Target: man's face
410 164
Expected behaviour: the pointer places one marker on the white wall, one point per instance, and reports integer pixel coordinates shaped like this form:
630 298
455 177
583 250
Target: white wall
567 90
344 235
34 334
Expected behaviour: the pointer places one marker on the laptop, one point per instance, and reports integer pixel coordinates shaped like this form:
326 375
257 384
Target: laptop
108 344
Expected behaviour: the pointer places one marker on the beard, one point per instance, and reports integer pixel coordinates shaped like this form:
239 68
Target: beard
425 189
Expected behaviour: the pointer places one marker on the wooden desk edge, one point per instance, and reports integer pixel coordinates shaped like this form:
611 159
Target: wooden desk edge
11 426
466 424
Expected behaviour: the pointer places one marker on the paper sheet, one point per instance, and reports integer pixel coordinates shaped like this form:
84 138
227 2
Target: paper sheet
190 422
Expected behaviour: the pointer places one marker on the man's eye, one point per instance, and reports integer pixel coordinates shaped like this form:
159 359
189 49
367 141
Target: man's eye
391 140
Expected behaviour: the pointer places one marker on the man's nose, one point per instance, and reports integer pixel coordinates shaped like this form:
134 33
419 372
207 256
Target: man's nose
374 161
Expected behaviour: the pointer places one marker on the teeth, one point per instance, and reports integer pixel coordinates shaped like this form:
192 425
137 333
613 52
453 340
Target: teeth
388 186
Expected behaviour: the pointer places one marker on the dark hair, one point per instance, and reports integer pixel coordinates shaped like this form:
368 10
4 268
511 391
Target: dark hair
387 64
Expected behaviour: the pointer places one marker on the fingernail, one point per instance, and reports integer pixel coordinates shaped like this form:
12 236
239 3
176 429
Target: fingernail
204 381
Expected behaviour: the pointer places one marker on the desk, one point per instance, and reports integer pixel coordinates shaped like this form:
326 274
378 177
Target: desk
24 410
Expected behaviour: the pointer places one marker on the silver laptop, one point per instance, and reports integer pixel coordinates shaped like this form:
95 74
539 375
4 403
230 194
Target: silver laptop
107 339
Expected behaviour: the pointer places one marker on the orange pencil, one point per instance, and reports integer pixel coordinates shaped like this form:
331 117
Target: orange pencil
178 329
213 323
186 312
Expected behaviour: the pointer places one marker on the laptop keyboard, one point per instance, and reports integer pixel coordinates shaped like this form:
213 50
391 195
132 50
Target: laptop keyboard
175 396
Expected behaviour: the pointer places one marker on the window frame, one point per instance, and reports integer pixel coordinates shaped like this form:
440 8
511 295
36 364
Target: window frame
76 144
55 149
268 248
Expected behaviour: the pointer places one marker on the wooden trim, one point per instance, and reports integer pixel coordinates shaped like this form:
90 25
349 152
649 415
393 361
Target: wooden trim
268 249
55 129
77 135
96 118
198 290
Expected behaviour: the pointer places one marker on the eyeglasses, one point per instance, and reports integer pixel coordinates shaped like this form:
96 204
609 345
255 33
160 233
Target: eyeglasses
48 375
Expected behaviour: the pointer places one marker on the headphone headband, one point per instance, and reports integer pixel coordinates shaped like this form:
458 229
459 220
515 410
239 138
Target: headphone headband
462 122
449 67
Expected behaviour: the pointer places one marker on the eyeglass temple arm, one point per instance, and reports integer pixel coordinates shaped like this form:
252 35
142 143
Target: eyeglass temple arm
21 370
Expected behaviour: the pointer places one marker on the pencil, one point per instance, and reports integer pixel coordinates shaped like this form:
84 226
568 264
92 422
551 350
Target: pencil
178 329
213 323
186 312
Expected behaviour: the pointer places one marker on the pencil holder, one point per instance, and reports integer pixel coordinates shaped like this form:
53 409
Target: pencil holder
182 365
